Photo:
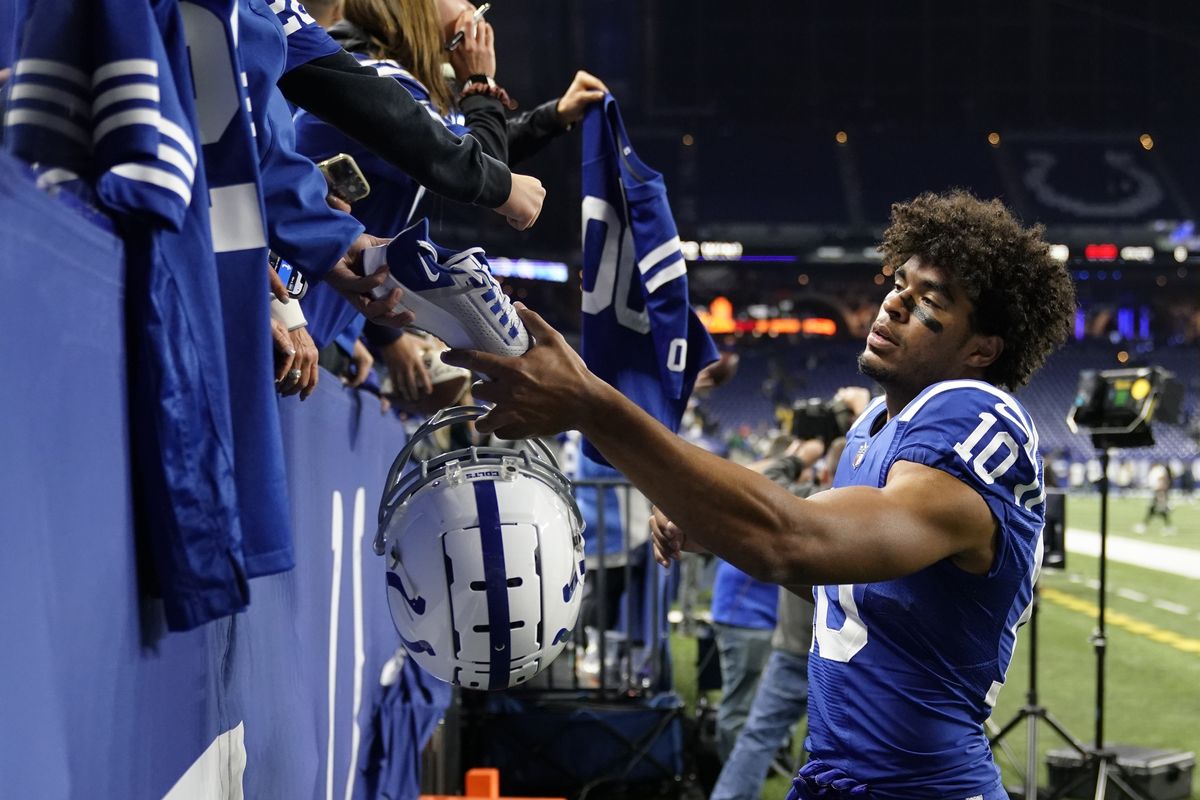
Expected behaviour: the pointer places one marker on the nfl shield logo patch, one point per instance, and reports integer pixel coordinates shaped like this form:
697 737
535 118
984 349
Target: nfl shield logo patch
858 457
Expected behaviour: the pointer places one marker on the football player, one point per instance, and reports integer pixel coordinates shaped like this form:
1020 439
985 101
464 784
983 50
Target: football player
923 557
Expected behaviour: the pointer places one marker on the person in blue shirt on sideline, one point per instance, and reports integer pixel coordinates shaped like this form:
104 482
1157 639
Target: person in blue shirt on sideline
923 556
743 613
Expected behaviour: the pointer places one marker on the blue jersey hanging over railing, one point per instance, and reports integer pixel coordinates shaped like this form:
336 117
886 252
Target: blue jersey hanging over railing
639 331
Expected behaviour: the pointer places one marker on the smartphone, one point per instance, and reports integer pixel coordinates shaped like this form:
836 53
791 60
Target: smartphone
293 281
344 177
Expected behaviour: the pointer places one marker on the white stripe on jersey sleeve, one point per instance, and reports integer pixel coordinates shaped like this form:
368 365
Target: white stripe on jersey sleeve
124 119
130 91
73 103
179 136
666 275
658 254
55 69
146 67
157 177
178 160
43 119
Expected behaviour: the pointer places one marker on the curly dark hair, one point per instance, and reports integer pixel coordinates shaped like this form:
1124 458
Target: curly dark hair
1019 292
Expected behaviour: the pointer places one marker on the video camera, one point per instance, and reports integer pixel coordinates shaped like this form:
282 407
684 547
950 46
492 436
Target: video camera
1117 405
818 419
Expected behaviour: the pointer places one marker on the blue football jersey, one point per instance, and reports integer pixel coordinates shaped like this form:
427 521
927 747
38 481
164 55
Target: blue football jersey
230 90
640 333
904 672
240 48
103 92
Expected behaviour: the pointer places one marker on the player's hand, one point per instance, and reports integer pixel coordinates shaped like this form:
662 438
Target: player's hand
669 541
362 361
524 202
303 374
406 364
336 202
476 54
348 279
584 90
541 393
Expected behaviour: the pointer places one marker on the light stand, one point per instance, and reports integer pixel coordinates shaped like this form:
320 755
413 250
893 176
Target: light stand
1117 405
1105 760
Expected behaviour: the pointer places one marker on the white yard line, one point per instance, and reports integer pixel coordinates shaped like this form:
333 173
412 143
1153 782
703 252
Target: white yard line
1130 594
1174 608
1151 555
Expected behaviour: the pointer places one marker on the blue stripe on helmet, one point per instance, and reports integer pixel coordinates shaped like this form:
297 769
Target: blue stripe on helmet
496 577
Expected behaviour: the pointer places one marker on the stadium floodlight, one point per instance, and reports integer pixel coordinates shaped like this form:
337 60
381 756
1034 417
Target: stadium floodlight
1117 405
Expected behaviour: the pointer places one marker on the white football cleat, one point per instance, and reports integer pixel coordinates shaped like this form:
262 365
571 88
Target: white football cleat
451 295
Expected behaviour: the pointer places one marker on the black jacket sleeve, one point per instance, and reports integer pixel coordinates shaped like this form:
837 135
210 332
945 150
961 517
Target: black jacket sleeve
485 118
383 116
530 131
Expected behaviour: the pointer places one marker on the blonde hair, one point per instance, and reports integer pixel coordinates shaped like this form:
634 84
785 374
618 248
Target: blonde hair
407 32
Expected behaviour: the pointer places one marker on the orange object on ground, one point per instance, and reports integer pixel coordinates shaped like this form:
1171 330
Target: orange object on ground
483 783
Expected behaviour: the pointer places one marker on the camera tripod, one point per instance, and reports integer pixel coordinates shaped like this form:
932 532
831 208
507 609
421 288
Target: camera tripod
1032 712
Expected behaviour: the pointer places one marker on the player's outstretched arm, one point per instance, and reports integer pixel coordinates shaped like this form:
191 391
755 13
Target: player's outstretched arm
842 536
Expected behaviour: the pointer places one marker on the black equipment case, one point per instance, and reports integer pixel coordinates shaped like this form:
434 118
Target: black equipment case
1156 773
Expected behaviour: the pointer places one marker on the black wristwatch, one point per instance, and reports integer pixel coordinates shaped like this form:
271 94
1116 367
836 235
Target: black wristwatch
486 80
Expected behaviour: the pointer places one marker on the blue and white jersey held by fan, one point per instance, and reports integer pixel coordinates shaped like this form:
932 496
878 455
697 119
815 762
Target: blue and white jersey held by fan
639 331
904 672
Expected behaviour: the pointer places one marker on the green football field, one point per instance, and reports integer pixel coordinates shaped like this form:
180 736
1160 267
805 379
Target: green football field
1153 659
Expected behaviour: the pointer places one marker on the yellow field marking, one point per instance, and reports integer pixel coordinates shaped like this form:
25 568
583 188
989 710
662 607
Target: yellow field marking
1121 620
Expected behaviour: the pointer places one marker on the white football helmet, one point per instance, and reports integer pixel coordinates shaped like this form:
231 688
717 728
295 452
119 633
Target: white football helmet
485 563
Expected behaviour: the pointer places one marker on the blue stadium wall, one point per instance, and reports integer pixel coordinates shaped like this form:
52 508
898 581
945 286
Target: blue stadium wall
96 698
